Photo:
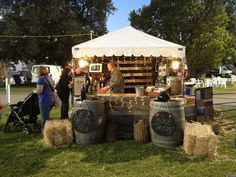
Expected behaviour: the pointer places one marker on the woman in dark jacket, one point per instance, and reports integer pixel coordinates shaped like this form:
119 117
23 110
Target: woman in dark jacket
63 90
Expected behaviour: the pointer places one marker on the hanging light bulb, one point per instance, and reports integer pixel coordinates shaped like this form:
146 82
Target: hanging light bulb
83 63
175 65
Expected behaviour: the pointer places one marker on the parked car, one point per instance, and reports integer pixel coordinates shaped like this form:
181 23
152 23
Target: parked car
225 71
221 71
54 72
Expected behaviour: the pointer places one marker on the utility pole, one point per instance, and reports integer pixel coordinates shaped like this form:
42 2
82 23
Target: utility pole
91 35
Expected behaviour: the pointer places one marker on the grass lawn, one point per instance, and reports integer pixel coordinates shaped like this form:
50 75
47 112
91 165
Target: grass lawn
24 155
229 89
21 88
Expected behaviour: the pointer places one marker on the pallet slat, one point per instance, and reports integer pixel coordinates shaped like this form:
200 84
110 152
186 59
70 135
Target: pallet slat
134 68
136 74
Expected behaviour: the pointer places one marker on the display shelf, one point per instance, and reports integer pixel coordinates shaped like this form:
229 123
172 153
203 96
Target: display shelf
138 80
135 68
138 72
135 62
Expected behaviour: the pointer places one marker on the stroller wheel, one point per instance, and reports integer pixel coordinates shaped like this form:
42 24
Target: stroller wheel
6 129
26 130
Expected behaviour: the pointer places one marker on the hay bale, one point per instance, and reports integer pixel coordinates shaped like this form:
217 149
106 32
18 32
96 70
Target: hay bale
189 138
199 140
200 148
57 133
69 131
213 145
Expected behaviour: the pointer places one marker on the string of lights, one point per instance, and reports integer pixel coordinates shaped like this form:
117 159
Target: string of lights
47 36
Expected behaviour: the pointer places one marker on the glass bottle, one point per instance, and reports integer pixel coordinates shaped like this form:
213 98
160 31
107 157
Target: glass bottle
83 93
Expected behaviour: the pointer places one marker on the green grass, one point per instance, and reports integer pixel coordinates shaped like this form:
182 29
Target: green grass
228 89
20 88
30 87
24 155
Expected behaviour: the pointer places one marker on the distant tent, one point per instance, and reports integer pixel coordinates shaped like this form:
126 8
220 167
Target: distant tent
128 41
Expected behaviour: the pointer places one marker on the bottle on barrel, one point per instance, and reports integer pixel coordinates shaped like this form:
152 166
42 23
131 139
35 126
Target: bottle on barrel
83 93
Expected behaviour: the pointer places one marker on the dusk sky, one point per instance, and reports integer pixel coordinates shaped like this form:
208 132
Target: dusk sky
121 15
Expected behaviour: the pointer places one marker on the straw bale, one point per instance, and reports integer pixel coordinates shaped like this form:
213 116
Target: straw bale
213 145
189 138
69 131
48 134
57 133
189 142
199 140
200 148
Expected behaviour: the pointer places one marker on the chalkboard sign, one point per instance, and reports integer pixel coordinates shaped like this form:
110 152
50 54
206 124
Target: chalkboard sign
163 123
95 67
83 121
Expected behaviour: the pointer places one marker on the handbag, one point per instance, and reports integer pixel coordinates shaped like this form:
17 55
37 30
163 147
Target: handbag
57 100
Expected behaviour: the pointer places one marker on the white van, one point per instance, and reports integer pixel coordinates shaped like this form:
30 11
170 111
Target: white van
225 71
54 72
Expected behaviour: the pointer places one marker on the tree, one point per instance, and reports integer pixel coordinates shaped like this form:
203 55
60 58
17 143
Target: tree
201 25
50 18
231 27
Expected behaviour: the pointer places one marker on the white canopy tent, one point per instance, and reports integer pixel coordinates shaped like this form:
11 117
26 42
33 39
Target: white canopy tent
128 41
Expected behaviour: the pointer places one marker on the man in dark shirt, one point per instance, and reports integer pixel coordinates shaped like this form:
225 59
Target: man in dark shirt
116 83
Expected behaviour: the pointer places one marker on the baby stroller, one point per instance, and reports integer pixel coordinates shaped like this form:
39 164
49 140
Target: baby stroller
23 113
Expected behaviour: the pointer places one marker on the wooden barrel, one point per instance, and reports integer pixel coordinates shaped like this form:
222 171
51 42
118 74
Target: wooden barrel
167 122
123 111
88 122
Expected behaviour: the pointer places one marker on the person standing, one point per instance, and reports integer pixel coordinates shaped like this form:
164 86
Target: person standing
116 83
45 94
64 88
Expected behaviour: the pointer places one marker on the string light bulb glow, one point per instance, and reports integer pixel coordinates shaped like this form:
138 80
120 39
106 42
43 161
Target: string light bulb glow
83 63
175 65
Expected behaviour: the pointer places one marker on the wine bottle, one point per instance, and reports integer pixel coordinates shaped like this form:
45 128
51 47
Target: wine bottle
83 93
